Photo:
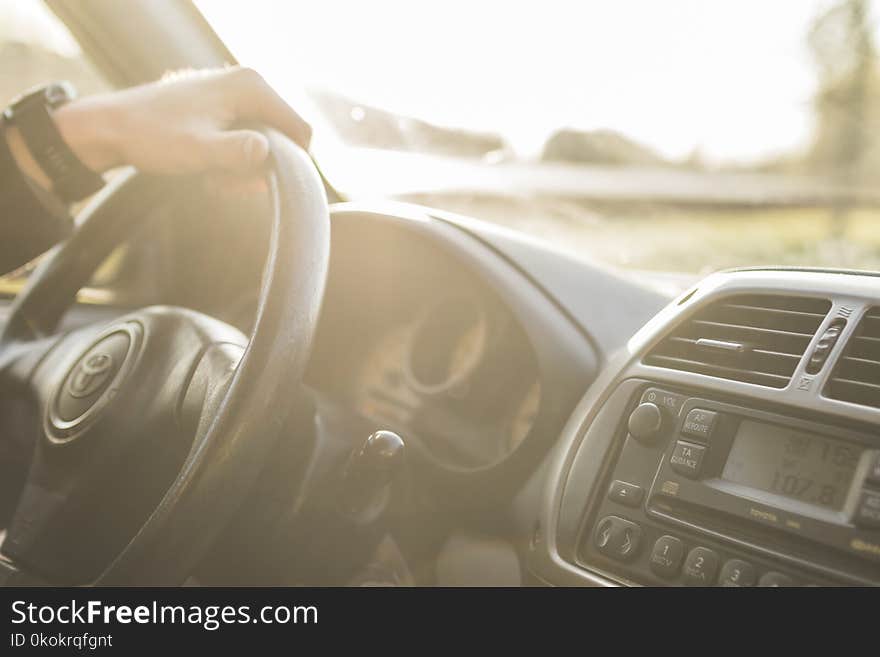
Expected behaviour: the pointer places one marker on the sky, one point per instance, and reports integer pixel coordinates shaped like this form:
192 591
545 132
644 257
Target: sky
731 79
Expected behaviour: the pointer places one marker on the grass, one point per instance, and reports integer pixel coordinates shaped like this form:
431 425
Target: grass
685 239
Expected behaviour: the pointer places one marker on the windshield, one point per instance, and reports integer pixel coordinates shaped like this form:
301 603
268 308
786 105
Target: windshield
683 136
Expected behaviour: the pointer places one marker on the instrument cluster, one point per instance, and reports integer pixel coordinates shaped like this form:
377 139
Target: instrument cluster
459 377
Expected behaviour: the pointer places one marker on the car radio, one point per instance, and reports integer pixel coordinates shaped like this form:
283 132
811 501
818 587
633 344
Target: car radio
706 492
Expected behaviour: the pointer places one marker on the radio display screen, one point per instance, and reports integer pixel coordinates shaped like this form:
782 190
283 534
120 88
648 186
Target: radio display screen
795 464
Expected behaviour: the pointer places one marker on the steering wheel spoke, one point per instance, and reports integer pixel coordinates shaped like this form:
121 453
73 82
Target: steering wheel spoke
19 360
12 574
207 386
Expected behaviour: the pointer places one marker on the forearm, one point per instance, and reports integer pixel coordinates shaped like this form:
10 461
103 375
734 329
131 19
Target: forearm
192 124
187 125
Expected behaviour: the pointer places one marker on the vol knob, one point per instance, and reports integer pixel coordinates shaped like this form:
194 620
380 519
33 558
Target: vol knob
646 422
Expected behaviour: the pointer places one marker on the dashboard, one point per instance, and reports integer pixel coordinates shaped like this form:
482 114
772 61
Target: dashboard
725 437
570 425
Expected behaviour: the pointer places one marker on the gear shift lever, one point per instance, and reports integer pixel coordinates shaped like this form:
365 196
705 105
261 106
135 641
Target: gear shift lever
366 481
340 531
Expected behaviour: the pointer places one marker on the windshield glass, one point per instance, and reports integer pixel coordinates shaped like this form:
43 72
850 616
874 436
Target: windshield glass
683 136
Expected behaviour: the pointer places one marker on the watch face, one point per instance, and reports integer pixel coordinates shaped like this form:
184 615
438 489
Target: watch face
59 93
51 95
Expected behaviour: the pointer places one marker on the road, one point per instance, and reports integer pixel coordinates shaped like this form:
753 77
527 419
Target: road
370 173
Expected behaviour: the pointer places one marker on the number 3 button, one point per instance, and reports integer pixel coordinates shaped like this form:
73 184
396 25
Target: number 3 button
737 572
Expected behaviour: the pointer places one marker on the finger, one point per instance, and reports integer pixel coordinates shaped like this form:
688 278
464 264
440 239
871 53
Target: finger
225 185
235 150
256 101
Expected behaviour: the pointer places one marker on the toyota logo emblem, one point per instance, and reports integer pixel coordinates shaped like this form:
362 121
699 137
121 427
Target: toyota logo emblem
92 382
90 375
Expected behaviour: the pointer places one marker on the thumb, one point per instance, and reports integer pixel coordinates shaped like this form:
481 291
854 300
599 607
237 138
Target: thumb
236 150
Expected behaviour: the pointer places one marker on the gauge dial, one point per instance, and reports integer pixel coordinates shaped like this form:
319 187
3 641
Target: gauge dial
447 346
381 391
524 417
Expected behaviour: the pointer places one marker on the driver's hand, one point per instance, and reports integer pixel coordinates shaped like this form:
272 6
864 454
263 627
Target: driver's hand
184 124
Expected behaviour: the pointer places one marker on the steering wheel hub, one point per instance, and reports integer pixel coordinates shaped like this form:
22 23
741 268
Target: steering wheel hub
92 382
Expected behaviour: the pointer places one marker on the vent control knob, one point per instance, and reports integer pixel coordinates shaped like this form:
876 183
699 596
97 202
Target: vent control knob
646 422
825 345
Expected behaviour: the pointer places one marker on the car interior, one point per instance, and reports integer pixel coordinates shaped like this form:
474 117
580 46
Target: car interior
316 387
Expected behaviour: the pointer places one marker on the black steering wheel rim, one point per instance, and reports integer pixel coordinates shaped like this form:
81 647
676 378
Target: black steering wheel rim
242 409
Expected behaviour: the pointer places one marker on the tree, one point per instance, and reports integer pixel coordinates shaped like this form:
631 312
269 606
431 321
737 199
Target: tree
843 49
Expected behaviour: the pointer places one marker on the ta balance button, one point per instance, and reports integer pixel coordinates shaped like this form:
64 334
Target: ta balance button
687 459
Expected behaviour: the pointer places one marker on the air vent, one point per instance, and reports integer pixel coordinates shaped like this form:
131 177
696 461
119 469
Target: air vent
856 377
755 338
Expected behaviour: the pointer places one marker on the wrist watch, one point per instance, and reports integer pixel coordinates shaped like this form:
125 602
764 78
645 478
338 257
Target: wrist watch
31 114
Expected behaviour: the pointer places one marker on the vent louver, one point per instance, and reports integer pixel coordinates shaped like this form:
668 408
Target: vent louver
755 338
856 376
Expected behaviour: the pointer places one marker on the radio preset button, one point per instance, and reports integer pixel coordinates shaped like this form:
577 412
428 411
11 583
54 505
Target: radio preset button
700 567
687 459
666 557
775 579
737 572
699 423
626 493
617 538
874 470
868 510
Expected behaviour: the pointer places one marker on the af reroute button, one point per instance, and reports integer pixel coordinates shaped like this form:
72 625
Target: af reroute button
699 423
90 376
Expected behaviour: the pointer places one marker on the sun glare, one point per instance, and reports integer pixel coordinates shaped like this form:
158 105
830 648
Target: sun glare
731 81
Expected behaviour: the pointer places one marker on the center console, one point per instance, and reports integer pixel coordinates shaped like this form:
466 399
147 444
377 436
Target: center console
704 492
699 478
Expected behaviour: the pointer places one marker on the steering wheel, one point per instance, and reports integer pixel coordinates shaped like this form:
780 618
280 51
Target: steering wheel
153 428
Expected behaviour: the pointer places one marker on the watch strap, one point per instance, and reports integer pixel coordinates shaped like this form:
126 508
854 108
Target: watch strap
32 115
31 220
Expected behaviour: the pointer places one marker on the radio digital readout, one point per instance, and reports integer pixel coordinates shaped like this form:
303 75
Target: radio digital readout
795 464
